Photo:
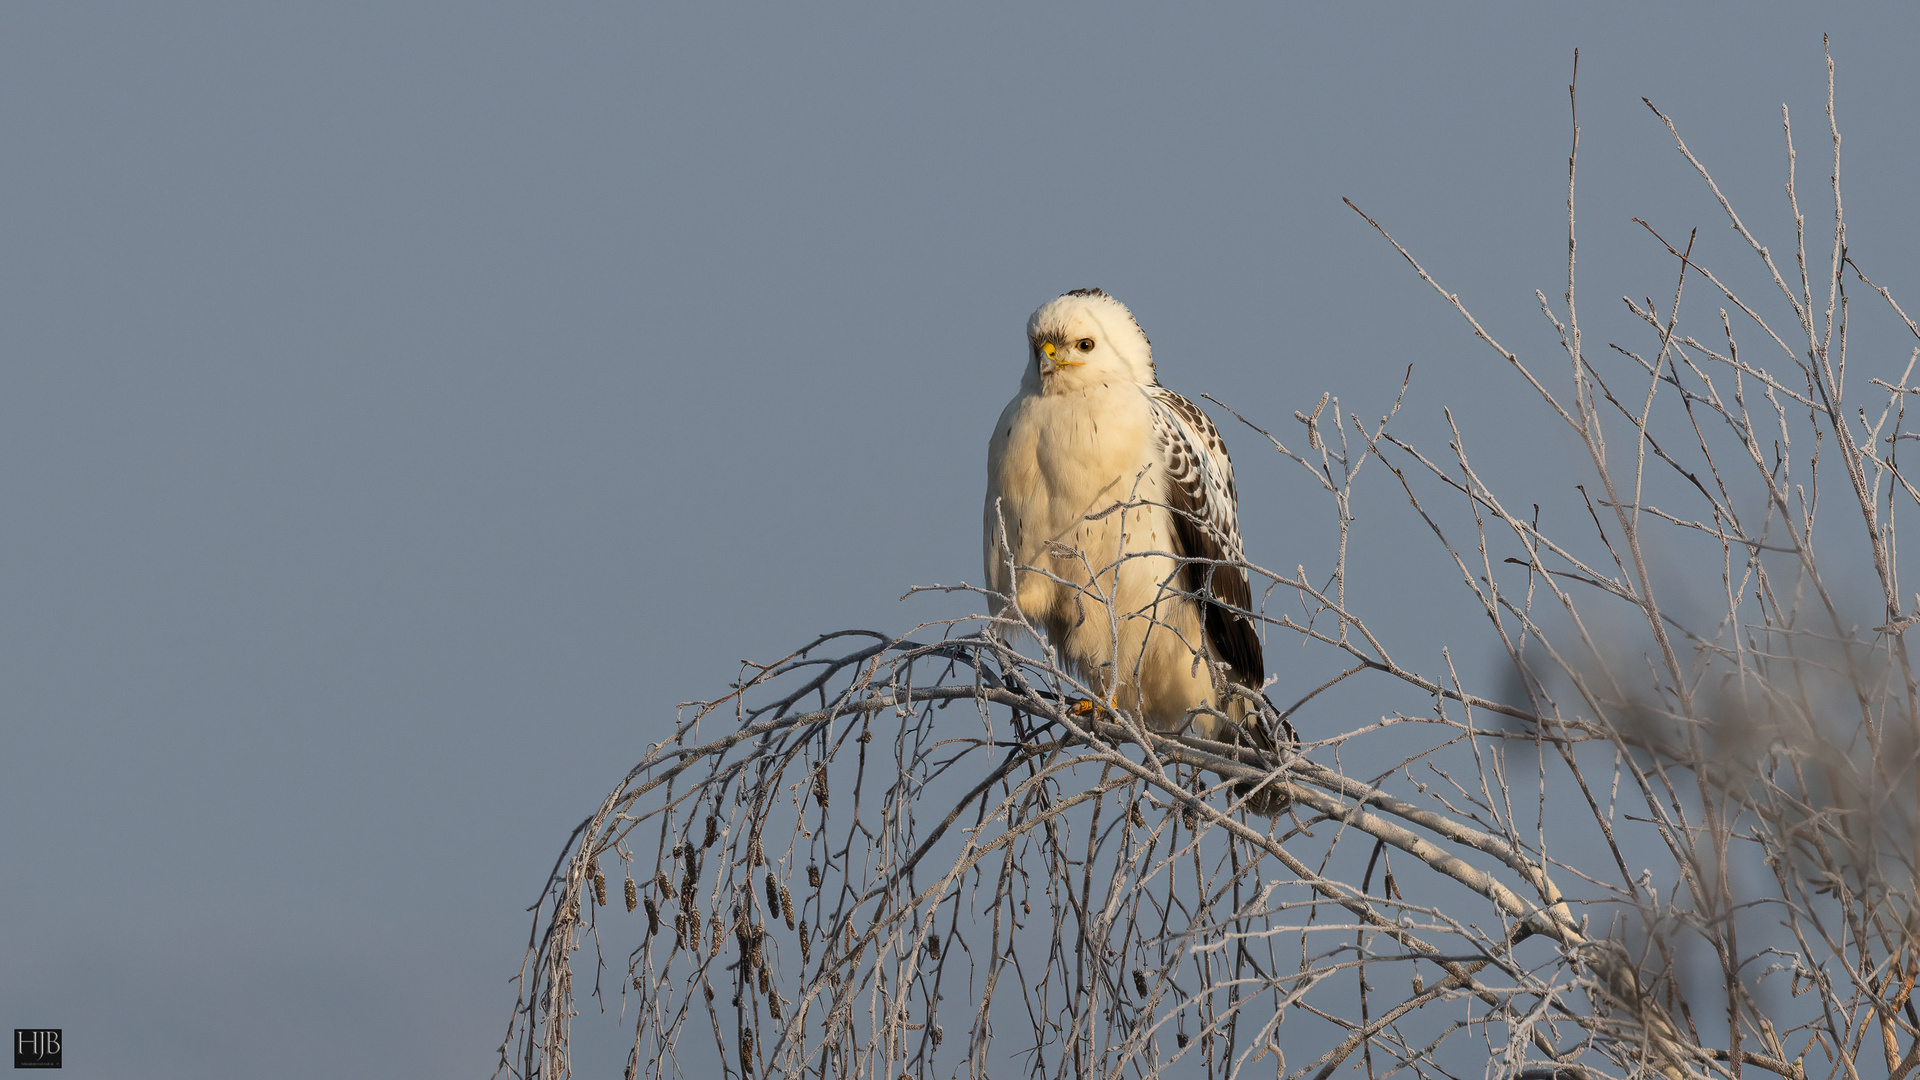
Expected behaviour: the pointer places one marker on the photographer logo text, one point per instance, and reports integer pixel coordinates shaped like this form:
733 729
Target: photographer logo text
36 1048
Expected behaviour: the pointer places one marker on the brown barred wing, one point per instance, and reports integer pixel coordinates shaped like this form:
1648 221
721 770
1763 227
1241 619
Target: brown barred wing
1206 524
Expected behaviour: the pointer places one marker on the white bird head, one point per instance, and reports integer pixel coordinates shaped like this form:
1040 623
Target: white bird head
1085 338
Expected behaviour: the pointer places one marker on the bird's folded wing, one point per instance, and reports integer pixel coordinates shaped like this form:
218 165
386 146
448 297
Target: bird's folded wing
1206 524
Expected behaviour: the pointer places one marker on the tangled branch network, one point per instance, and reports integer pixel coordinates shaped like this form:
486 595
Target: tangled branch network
1685 848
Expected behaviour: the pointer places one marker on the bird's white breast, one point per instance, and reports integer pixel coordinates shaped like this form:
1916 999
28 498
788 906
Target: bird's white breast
1057 461
1069 455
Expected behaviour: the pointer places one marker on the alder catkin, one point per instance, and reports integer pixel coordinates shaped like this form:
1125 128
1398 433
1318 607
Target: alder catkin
806 944
773 893
633 895
743 934
820 785
713 832
813 876
653 918
600 890
786 905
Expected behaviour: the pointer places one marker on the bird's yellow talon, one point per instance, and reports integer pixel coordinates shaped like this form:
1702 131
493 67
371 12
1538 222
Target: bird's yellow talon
1108 709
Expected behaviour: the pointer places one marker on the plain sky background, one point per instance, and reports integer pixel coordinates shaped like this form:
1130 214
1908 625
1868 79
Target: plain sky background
404 406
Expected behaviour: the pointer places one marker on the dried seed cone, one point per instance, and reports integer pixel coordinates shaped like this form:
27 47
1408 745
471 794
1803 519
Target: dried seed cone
806 944
600 890
933 946
633 895
713 831
743 934
719 936
820 785
813 876
773 893
786 905
653 918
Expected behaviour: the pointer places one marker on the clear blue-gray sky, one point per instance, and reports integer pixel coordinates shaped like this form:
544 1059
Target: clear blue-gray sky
403 406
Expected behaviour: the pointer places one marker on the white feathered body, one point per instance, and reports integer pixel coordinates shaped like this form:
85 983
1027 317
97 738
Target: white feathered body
1086 469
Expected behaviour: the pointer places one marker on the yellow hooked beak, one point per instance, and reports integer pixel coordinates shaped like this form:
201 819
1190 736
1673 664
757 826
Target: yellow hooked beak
1053 354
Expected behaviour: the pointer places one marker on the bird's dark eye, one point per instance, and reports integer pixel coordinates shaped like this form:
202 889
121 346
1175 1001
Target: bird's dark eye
1085 344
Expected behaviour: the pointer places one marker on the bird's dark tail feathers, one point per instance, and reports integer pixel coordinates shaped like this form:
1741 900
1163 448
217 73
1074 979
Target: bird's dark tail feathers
1257 731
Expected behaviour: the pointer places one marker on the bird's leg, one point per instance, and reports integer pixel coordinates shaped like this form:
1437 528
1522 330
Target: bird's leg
1101 710
1103 704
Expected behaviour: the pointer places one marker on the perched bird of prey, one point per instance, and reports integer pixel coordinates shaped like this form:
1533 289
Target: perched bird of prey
1100 482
